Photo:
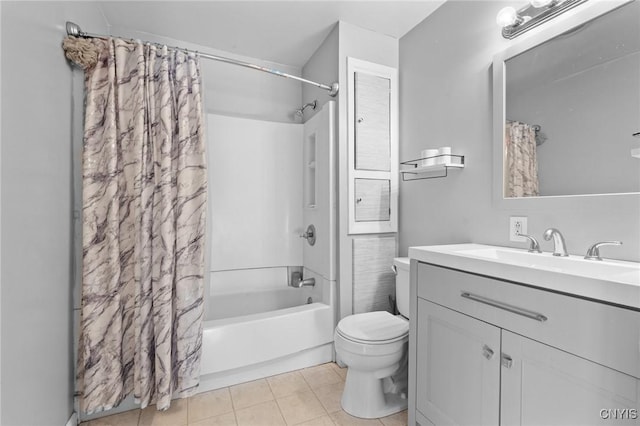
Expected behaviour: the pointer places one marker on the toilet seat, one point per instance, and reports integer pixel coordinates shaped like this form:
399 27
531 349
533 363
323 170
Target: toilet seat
373 328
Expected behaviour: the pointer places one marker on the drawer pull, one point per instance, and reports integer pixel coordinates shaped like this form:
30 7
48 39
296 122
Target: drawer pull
513 309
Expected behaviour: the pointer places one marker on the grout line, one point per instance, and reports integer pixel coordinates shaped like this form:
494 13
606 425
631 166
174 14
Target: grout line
281 413
233 406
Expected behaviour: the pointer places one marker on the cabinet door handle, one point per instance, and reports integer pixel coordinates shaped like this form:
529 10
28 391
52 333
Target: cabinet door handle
506 360
487 352
505 306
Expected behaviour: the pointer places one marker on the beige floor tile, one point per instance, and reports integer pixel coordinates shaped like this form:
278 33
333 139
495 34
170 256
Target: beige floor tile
398 419
128 418
341 418
320 421
265 414
228 419
209 404
330 396
320 375
300 407
176 415
288 383
342 372
250 393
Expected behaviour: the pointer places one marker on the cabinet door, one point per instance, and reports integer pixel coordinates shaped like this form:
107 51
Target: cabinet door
372 200
543 385
458 367
372 116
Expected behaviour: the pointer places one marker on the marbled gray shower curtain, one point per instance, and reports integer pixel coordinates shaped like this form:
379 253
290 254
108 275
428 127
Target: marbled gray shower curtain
521 162
144 211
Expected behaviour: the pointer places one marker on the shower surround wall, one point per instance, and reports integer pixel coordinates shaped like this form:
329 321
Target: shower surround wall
256 192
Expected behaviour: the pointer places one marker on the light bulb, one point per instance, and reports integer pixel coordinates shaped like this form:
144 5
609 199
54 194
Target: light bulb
507 17
540 3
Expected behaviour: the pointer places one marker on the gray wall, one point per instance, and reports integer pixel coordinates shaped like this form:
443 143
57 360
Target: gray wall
36 165
446 100
321 67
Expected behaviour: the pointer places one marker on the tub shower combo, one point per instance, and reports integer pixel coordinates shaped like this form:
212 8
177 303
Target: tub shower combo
256 298
271 301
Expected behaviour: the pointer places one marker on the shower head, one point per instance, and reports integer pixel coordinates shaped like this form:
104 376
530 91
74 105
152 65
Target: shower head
300 112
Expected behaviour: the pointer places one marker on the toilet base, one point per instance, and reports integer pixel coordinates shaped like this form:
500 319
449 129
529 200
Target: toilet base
364 396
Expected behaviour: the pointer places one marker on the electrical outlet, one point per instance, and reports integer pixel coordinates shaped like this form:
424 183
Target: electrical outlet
517 225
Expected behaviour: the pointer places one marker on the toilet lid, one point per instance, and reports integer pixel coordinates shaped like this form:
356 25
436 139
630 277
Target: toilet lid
378 326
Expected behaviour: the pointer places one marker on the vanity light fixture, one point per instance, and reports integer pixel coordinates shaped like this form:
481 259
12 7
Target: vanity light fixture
514 22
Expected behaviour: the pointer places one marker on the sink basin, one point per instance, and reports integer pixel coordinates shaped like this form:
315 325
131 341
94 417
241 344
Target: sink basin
607 280
575 265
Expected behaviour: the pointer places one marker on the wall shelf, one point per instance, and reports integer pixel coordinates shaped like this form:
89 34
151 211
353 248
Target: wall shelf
416 169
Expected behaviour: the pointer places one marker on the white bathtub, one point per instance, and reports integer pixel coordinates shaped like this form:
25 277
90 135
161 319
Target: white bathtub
262 336
230 305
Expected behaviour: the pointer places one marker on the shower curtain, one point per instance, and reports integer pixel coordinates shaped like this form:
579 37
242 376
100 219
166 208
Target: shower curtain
521 166
144 210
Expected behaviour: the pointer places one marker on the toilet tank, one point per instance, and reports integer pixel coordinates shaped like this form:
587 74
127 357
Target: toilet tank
402 284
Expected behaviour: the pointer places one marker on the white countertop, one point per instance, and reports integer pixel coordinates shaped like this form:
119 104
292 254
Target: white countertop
609 281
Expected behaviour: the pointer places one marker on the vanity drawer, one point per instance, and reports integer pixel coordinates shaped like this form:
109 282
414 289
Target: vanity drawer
602 333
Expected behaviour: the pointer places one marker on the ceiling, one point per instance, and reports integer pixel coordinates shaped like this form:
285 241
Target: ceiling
286 32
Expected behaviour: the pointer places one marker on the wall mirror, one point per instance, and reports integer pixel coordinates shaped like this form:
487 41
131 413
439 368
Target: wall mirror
567 106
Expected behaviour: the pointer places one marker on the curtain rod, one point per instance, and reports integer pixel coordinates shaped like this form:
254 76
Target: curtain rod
74 30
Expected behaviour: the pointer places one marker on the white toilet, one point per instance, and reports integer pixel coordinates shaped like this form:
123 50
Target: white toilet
373 345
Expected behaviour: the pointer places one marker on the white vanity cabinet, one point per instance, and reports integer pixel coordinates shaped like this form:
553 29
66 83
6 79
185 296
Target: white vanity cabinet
493 352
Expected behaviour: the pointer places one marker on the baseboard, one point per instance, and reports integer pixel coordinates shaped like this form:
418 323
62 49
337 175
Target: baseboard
73 420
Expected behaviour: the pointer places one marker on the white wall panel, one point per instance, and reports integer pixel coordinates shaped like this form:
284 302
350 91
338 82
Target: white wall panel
319 137
255 170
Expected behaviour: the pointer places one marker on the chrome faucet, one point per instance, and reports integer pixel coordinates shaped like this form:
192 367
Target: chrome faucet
593 253
534 246
559 246
298 282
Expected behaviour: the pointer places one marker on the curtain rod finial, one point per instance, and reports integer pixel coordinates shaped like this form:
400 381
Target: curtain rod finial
73 29
335 87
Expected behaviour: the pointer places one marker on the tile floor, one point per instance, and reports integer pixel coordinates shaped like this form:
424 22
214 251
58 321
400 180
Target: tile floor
309 397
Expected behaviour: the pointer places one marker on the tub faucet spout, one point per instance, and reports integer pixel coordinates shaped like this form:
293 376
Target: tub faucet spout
298 282
559 246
